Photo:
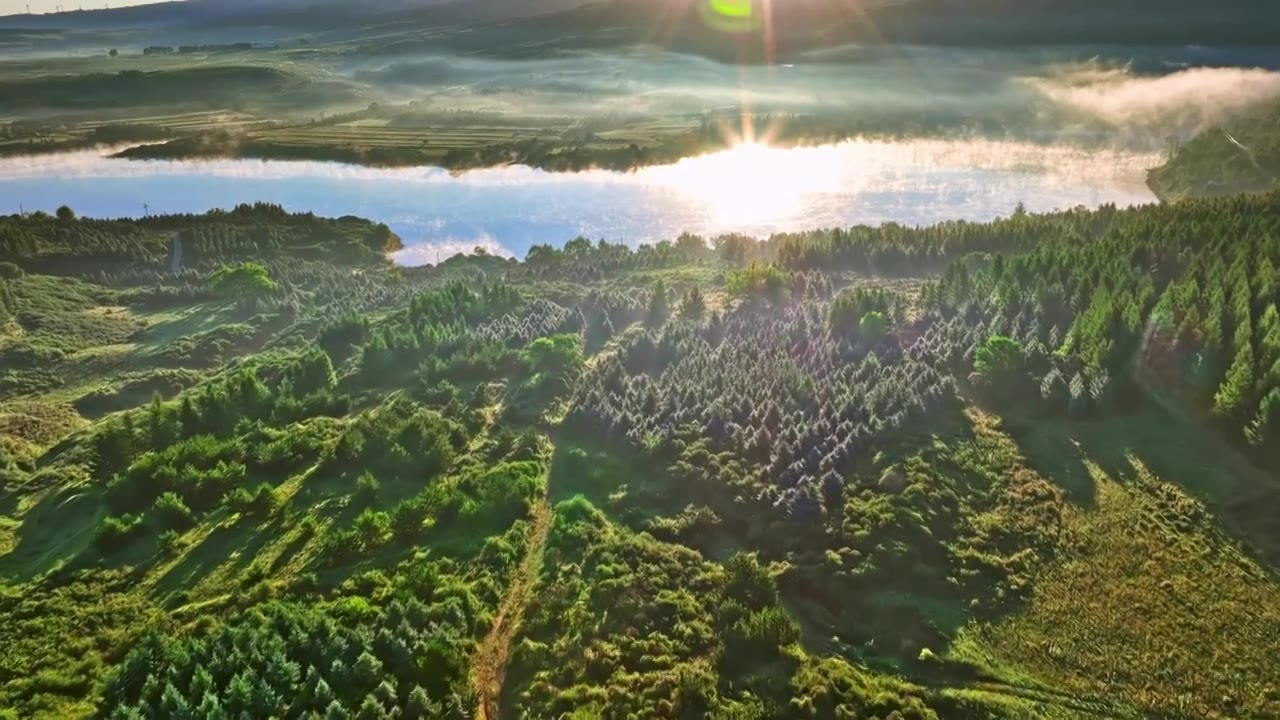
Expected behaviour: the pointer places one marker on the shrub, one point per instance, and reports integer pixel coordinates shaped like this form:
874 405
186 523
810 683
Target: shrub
338 547
172 542
256 503
245 279
172 513
873 326
372 529
367 487
115 532
407 518
1000 358
1000 367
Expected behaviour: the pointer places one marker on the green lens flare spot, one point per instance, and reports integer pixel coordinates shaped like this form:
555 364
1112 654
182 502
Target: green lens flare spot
730 16
737 9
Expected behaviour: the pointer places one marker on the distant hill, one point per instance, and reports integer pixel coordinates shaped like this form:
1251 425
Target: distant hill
1241 156
800 25
322 14
797 25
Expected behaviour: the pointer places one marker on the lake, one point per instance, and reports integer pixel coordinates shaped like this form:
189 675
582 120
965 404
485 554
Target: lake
750 189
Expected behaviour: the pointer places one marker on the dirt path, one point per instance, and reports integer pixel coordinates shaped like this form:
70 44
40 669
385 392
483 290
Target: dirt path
489 667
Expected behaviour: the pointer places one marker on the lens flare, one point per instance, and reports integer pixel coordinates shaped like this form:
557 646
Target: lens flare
731 16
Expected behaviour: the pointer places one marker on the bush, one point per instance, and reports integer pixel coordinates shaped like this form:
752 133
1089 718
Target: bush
373 529
239 281
1000 358
1000 367
256 503
9 271
408 517
172 543
338 547
115 532
171 512
367 488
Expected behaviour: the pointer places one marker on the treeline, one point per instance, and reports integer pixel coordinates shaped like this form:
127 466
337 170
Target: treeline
64 244
580 260
214 87
561 155
885 250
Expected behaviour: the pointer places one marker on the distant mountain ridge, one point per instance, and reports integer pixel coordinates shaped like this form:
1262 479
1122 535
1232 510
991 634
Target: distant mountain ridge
303 13
797 25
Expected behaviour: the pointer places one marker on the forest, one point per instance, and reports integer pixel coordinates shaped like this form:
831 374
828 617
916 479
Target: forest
1026 468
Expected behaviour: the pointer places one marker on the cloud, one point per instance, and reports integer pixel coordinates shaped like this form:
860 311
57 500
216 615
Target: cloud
1183 101
430 252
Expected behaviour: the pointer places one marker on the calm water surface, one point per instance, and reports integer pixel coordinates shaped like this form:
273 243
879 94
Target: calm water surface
750 189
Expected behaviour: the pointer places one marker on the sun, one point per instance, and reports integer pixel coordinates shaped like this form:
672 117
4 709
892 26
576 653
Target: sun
751 183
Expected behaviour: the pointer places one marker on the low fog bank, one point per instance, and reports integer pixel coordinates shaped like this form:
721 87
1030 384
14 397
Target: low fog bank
1108 96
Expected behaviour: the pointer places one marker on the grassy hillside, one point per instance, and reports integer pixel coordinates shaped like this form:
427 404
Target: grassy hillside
1005 470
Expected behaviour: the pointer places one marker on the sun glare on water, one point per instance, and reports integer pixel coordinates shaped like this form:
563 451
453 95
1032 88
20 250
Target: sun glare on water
752 183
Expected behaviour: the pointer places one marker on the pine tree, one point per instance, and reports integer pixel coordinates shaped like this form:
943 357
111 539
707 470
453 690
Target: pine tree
371 709
210 708
323 696
1054 391
366 673
694 305
335 711
659 305
202 685
1079 392
188 416
173 703
1233 396
420 706
160 423
239 694
1267 337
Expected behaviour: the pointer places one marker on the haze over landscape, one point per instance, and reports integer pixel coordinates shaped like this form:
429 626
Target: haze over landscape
640 359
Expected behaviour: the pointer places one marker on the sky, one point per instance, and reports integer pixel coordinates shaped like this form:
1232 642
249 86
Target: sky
15 7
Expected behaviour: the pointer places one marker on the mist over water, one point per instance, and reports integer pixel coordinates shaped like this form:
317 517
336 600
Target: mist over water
755 190
1138 96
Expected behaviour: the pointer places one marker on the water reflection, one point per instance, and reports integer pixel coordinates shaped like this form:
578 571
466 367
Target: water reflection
751 189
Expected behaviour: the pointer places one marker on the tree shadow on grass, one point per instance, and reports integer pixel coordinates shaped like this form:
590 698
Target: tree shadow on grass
288 552
1053 449
59 531
1189 454
241 540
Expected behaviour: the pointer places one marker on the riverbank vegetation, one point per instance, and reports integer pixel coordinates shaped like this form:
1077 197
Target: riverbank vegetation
247 465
